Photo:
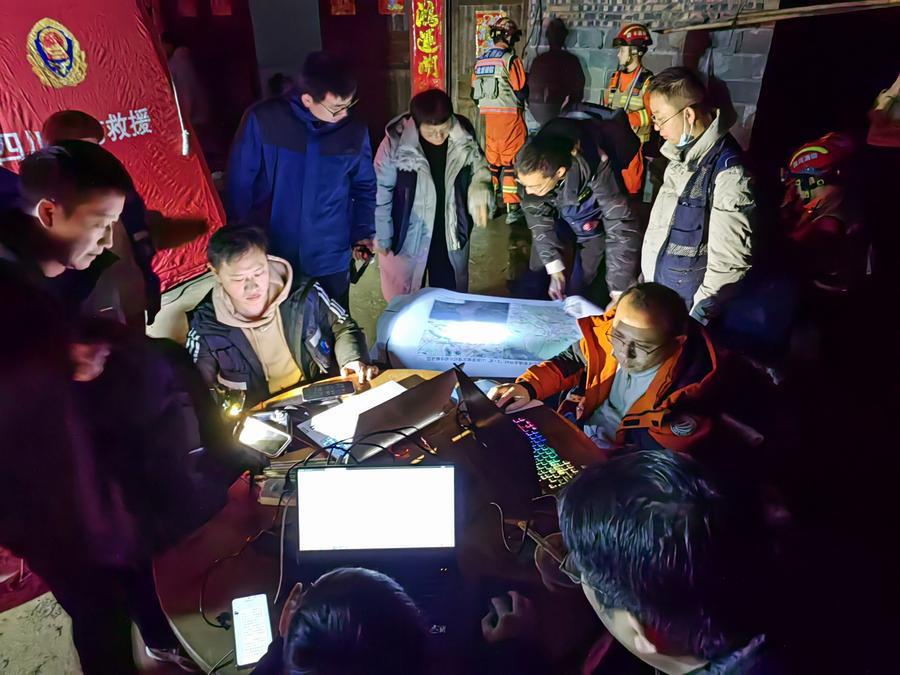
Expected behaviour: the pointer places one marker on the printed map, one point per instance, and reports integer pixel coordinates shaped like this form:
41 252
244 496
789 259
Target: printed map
477 331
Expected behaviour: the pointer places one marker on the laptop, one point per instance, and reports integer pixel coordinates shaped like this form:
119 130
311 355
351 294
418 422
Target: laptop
394 413
400 520
358 512
504 459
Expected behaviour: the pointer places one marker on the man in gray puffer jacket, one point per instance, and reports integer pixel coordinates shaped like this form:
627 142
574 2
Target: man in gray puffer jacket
434 185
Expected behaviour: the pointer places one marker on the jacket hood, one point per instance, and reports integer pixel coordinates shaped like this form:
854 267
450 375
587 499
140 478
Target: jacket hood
404 136
691 155
280 277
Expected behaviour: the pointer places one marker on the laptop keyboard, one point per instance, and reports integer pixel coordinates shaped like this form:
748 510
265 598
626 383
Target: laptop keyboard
553 471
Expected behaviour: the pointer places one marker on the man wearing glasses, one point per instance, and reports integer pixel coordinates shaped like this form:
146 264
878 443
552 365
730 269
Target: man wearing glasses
646 370
674 565
301 168
699 238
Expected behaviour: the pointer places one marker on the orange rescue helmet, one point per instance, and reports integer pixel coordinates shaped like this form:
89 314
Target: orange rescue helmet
506 30
633 35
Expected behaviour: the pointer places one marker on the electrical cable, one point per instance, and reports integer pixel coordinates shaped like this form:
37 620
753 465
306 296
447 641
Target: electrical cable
206 575
519 550
280 559
221 663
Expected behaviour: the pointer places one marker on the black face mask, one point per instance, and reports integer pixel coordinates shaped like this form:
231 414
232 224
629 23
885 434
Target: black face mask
639 349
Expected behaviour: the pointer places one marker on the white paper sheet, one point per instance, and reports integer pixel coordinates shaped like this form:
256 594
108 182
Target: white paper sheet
339 423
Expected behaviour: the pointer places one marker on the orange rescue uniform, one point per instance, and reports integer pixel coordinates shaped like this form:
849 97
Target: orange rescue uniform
637 107
504 119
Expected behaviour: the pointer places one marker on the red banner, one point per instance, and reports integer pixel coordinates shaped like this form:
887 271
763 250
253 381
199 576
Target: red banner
100 57
427 45
391 6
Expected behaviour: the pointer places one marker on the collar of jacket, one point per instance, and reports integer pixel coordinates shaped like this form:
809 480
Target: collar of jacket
405 134
280 276
746 661
660 396
696 150
576 182
313 124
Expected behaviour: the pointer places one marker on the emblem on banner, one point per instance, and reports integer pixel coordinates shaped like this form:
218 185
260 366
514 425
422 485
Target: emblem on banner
55 55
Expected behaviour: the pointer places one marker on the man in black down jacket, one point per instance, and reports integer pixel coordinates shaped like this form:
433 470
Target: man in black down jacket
252 334
564 177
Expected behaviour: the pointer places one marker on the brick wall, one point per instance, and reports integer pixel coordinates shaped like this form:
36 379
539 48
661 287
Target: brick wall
737 57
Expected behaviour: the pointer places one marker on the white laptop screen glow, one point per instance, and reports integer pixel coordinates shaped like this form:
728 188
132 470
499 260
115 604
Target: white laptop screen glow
344 509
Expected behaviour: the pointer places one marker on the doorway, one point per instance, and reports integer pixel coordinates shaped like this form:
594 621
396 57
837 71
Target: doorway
462 46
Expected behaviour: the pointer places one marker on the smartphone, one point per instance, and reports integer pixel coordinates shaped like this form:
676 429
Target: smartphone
263 437
252 629
321 392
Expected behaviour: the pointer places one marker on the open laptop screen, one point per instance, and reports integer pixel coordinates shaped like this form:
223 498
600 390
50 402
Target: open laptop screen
371 508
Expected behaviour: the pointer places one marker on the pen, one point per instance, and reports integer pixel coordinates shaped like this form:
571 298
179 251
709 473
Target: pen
461 436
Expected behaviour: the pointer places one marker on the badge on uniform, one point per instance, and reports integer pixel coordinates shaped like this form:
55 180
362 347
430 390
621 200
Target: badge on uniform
683 425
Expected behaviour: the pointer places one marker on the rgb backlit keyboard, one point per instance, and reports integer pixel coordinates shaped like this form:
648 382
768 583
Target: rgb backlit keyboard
553 471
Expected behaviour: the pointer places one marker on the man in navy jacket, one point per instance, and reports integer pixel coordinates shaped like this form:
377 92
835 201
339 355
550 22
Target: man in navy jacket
302 168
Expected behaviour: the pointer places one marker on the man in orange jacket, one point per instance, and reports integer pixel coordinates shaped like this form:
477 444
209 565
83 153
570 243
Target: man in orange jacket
646 369
629 90
498 86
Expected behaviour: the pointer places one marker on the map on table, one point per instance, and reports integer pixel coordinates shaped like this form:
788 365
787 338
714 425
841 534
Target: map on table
494 337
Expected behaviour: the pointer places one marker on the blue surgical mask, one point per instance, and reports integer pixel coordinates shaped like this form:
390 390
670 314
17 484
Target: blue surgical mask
686 136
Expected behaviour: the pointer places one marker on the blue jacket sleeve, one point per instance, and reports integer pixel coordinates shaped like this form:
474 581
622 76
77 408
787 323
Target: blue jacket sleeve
248 184
362 192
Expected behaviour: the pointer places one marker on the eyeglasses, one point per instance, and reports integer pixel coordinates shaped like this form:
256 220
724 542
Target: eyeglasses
573 574
337 111
659 125
625 343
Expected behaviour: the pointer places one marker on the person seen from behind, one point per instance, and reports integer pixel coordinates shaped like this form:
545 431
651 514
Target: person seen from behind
350 621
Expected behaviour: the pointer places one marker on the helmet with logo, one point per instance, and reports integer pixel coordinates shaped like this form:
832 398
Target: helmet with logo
505 30
633 35
820 157
818 163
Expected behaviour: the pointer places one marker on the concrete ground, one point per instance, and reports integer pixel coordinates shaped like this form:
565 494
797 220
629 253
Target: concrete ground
35 638
488 268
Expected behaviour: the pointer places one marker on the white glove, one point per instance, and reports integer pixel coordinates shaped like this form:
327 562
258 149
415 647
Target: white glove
579 307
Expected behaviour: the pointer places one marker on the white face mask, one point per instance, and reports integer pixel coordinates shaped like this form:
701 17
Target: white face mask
686 136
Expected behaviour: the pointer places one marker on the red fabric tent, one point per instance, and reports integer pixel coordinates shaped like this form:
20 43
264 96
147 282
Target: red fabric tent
101 56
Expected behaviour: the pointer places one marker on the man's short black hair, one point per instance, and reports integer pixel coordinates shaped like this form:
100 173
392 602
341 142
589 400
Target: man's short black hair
324 73
70 173
680 86
431 107
66 125
354 621
232 241
661 302
546 153
653 536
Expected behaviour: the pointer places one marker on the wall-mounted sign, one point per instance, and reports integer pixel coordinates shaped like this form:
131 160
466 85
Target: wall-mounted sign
483 23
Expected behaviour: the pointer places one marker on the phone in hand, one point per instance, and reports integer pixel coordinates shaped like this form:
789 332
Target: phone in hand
252 629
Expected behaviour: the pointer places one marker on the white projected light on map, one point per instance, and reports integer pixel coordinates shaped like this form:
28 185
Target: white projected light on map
493 337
